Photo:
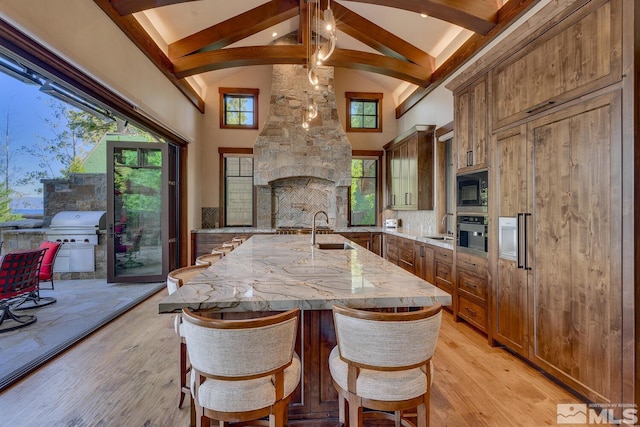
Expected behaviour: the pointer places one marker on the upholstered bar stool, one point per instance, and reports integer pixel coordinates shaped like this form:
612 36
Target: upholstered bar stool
242 370
224 249
231 244
239 239
208 259
383 362
175 280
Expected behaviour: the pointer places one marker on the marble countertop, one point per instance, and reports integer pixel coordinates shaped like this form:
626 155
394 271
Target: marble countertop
280 272
401 232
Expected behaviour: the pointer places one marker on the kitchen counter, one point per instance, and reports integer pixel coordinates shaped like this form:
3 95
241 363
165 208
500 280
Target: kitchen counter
436 240
280 272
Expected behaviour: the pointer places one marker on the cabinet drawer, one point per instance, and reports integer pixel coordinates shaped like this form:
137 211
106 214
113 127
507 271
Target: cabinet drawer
477 265
445 255
443 271
472 313
472 283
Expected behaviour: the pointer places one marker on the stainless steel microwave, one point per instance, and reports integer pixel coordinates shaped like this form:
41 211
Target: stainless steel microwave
472 191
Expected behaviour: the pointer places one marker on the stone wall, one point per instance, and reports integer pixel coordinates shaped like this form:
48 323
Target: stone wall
79 192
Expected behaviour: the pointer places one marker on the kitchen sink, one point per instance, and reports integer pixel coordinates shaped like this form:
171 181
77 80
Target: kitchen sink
338 246
445 238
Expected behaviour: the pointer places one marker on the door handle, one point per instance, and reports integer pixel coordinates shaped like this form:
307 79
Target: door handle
526 243
520 241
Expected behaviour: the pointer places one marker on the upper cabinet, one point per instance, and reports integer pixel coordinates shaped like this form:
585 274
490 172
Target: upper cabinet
575 58
470 123
410 169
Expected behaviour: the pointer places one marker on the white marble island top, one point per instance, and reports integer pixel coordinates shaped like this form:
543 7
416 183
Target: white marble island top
280 272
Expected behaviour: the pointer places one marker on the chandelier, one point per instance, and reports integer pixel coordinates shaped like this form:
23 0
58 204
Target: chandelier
319 48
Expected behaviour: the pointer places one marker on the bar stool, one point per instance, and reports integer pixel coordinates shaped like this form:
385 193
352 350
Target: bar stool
208 259
240 239
383 362
231 244
224 249
175 280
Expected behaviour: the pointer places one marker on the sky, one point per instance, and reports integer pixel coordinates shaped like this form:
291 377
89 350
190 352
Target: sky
26 108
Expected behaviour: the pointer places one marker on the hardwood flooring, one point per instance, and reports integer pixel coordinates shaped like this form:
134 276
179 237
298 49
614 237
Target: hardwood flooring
125 375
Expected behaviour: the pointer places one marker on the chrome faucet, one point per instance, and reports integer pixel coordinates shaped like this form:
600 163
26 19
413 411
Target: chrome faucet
313 225
443 221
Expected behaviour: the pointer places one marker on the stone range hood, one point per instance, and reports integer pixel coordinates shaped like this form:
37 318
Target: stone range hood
296 171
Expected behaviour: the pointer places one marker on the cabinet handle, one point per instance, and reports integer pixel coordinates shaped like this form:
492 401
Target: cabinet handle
472 286
421 251
469 158
526 244
471 312
393 200
539 106
519 243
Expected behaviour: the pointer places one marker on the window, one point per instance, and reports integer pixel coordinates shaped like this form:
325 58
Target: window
238 190
238 108
363 112
363 197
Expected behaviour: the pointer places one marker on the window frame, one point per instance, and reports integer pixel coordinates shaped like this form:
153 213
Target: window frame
240 92
369 155
364 96
232 152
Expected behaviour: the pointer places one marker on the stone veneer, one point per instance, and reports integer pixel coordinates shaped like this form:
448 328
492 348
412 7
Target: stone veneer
310 164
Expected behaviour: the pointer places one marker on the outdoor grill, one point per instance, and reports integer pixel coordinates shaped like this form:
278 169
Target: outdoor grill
78 233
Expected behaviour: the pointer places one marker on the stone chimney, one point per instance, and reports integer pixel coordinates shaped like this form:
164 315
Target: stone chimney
299 171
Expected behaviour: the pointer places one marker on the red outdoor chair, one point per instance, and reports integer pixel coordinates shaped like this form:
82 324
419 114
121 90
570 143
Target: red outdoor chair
46 270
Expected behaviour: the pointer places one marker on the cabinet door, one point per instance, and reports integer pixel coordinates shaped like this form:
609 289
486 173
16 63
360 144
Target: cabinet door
424 262
411 174
396 178
577 291
471 126
509 315
576 57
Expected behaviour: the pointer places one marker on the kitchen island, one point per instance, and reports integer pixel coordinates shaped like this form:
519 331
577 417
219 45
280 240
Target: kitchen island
278 272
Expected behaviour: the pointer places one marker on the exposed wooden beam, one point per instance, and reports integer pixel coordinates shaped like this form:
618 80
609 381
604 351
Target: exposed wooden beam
378 38
236 28
380 64
511 11
128 7
136 33
238 57
262 55
479 16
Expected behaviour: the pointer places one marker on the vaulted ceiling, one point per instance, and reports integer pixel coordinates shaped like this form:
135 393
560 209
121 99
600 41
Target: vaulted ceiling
410 44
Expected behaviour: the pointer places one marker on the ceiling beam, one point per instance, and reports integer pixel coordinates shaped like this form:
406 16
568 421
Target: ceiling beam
263 55
479 16
378 38
237 28
128 7
136 33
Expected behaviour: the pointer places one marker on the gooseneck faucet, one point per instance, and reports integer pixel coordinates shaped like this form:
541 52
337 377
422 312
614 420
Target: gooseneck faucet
313 225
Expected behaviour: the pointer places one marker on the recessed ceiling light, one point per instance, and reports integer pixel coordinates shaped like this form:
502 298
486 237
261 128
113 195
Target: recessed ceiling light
274 34
424 15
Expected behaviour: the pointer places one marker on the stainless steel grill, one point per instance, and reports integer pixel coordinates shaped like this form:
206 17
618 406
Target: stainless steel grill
78 233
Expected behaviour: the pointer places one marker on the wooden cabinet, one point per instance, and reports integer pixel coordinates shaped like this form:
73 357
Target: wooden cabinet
576 57
366 239
399 251
424 261
443 269
471 289
563 171
203 243
410 169
470 121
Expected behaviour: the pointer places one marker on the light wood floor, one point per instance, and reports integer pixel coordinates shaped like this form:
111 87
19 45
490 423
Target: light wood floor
125 373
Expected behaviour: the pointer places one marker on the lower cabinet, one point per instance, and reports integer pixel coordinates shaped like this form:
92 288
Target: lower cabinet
471 289
399 251
424 261
370 240
443 268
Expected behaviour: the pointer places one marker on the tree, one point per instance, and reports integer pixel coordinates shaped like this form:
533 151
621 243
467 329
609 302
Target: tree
7 169
74 134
